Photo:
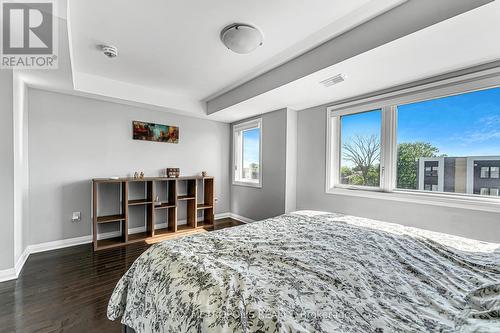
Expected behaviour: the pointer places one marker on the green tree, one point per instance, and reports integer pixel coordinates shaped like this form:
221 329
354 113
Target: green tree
345 171
408 156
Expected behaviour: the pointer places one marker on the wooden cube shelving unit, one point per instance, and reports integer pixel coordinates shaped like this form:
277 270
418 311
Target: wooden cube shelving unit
195 204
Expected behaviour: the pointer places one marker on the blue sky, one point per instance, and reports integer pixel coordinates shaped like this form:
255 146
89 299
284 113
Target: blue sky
363 124
463 125
250 146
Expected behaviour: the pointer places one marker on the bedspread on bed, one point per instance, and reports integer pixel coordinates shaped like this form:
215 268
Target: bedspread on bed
313 273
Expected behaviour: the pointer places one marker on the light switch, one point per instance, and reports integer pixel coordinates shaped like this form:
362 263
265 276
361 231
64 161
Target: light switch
77 217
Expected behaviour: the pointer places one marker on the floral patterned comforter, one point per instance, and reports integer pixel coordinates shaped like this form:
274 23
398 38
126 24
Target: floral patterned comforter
313 272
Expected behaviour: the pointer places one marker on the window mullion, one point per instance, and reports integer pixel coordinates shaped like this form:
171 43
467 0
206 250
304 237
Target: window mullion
388 148
240 155
333 147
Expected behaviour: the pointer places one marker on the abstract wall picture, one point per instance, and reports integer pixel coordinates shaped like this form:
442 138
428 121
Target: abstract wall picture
155 132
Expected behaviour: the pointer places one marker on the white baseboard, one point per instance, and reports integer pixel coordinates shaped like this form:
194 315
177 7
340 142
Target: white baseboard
222 216
13 273
240 218
21 261
8 274
59 244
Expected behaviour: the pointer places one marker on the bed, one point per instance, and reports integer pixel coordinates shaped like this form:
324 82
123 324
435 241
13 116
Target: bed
313 272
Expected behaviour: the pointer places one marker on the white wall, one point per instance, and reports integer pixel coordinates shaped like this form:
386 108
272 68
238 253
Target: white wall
268 201
21 175
291 161
74 139
6 171
311 192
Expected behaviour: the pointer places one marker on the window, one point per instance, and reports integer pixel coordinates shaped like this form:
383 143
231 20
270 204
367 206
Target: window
418 141
495 172
360 149
490 172
247 153
485 172
431 187
431 171
485 191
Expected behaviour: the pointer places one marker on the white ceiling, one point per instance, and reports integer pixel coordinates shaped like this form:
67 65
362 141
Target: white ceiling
170 50
175 46
171 57
463 41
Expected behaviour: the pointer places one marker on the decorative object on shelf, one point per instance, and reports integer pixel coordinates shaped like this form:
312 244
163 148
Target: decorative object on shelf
204 173
136 175
157 201
155 132
114 178
141 175
173 172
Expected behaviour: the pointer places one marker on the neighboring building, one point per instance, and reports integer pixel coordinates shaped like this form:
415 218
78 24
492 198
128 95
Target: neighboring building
472 174
251 172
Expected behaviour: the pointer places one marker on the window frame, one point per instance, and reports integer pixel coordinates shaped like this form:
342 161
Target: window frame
368 188
388 103
237 161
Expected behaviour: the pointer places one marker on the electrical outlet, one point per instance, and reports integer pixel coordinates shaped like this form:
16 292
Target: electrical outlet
77 217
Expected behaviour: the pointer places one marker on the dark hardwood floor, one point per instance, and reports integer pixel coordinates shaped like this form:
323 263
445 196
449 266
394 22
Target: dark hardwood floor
67 290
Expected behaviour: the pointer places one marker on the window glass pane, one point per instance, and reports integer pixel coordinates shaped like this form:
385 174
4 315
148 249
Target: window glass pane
484 191
251 153
485 172
495 172
494 192
360 148
453 131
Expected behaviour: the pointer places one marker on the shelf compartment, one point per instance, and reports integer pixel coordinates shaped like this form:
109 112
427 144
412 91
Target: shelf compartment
138 237
163 232
165 205
186 197
204 224
184 228
139 202
204 206
110 218
110 243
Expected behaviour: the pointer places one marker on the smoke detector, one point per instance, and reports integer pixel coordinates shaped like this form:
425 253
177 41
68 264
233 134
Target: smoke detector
241 38
109 51
333 80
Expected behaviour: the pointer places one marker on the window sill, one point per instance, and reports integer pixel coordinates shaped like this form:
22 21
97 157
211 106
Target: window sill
247 184
435 199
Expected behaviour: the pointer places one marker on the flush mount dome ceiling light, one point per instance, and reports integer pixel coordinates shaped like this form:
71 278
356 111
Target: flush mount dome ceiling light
241 38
